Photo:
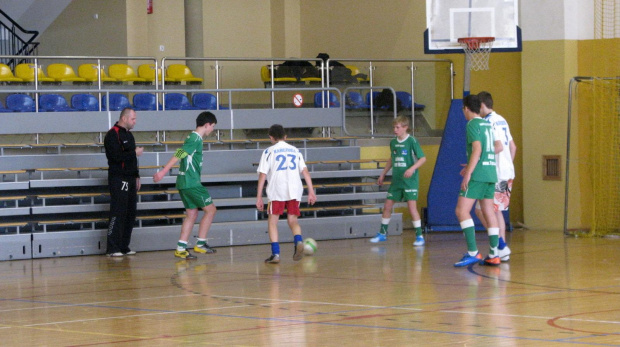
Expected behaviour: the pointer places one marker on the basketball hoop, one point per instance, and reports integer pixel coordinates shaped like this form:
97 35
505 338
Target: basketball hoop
477 51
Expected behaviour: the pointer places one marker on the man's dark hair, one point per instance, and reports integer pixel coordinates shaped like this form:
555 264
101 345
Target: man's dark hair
277 132
204 118
472 102
486 98
125 112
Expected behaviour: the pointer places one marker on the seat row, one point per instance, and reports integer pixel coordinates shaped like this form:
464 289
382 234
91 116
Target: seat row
302 74
117 73
355 101
90 102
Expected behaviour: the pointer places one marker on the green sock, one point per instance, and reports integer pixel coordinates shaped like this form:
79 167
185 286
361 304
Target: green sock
470 237
181 245
493 243
201 242
418 231
384 229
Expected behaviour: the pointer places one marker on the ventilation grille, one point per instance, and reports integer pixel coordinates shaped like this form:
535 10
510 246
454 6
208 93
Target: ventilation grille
552 168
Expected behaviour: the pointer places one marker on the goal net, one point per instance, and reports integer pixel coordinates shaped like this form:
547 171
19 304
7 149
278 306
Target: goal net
594 158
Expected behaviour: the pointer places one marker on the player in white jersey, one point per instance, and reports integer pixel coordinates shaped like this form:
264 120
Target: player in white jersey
505 150
281 165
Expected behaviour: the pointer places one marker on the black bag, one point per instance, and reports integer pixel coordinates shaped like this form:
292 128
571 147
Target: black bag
385 101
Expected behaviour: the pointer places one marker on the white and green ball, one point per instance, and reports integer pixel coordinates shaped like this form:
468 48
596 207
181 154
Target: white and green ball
310 246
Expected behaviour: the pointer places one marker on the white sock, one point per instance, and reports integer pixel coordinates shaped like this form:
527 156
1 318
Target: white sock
181 248
385 220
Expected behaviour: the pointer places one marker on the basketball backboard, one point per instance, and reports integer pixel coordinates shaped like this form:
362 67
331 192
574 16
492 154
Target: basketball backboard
449 20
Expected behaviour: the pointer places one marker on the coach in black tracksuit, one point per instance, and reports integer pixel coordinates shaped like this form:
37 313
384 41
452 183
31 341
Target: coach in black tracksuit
123 181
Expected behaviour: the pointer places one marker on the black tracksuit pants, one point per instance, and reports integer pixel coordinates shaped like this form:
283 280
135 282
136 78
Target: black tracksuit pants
123 203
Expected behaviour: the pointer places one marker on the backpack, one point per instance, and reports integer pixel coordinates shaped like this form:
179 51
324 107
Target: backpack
385 101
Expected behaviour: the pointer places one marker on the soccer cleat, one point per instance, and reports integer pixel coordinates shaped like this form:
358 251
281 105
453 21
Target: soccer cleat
490 261
204 249
419 241
468 259
115 254
130 253
299 251
184 255
274 259
504 254
379 238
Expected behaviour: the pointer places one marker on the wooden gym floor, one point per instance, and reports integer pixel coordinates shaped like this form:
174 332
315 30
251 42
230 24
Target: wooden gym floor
555 291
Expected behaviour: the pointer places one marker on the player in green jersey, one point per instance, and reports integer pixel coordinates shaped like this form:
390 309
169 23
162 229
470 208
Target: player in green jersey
194 195
406 157
479 177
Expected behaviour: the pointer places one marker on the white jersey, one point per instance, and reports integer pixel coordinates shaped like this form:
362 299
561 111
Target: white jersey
282 163
501 131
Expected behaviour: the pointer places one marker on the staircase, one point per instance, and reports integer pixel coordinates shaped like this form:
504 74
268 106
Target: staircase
15 40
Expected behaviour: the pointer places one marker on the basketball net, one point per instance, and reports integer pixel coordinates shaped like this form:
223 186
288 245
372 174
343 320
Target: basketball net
477 51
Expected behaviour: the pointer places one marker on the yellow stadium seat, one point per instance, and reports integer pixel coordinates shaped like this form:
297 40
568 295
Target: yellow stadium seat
180 72
147 71
6 75
124 72
63 73
89 73
26 72
355 71
265 76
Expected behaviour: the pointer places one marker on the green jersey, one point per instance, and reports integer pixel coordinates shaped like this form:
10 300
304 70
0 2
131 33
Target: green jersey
404 154
191 162
480 130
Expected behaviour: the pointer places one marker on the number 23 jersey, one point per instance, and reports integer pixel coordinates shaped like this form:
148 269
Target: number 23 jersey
282 163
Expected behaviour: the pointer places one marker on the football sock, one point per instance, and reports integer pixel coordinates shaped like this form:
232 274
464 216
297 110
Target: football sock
385 222
417 224
275 248
470 236
501 244
201 242
297 238
181 245
493 241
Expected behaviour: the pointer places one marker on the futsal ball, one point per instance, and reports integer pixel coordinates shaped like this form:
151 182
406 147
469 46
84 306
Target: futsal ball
310 246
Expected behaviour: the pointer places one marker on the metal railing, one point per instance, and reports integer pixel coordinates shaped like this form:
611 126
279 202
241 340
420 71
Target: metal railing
12 43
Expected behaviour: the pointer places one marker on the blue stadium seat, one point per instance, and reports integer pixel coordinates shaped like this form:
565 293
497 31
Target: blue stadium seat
354 101
2 109
20 103
178 101
374 97
53 103
204 101
145 102
84 102
330 98
117 102
405 100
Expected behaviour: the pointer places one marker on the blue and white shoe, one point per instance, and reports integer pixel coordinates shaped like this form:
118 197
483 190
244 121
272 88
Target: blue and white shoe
468 259
379 238
419 241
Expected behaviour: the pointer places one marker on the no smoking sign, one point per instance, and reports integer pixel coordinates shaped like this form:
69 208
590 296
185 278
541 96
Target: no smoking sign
298 100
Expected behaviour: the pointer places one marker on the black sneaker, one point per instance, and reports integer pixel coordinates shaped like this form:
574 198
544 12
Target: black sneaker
274 259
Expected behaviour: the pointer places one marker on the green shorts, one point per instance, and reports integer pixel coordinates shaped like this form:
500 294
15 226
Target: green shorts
196 197
479 190
402 194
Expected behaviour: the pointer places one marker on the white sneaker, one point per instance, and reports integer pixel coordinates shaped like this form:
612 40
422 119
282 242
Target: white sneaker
504 254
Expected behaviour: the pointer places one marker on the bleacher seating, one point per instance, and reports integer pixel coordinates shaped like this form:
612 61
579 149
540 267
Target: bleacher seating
265 74
89 73
63 73
53 103
177 101
182 73
124 73
6 75
147 71
206 101
20 103
117 102
26 73
145 102
84 102
2 109
355 101
329 100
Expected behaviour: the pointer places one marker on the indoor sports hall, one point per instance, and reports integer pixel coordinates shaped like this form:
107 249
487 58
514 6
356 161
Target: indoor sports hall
335 74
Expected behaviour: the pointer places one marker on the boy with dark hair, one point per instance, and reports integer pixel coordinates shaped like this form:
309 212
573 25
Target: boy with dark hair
478 183
281 165
406 157
194 195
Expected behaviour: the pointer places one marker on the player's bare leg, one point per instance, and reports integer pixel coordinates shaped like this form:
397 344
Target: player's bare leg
203 229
